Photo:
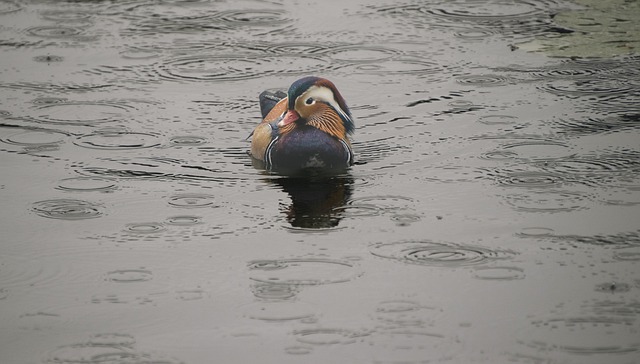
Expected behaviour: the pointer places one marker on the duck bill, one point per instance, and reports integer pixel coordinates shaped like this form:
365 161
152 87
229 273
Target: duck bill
290 117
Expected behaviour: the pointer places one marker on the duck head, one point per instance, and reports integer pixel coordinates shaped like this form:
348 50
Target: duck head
316 102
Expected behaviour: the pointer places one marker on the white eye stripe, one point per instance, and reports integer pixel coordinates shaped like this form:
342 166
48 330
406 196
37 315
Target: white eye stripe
324 94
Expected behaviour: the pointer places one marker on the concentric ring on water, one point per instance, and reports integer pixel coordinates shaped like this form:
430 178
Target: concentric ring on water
79 113
192 200
31 138
68 209
484 80
329 336
144 228
54 31
129 275
585 335
184 220
48 58
87 184
437 254
7 7
117 140
302 271
187 140
216 67
529 179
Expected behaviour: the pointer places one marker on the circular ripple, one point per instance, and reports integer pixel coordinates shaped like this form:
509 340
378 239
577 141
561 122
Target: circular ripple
550 201
188 140
48 59
497 119
9 7
474 34
144 228
270 291
499 273
360 53
613 287
301 271
402 314
538 149
627 254
81 113
251 17
279 311
329 336
403 66
54 31
597 87
129 276
117 140
295 48
484 80
184 220
192 200
233 68
65 15
436 254
589 335
35 138
530 179
499 155
87 184
68 209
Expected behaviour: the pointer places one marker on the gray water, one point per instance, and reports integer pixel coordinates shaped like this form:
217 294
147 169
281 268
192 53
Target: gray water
492 215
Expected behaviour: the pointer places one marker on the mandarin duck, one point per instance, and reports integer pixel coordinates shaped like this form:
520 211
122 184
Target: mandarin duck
304 131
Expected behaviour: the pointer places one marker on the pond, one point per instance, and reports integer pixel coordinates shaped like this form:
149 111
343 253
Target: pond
492 214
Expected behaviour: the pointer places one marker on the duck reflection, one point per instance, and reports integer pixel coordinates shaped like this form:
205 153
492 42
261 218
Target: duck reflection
315 202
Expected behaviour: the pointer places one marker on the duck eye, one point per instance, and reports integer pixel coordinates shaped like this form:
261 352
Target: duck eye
309 101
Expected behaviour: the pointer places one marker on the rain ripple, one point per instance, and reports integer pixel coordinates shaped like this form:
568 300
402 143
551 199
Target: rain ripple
68 209
302 271
437 254
59 111
105 348
216 67
117 140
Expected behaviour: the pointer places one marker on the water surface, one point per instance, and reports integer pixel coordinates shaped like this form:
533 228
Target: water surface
491 216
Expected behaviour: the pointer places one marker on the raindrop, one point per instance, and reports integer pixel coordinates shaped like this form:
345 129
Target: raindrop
48 59
68 209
